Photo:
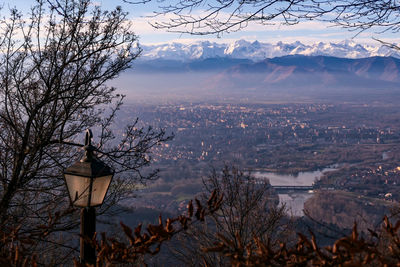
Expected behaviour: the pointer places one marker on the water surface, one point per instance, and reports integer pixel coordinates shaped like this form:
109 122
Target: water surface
294 201
302 178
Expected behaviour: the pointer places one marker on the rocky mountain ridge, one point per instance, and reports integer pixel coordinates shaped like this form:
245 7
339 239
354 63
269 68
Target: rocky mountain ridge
257 51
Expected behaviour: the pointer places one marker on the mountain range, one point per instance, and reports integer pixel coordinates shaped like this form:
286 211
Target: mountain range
256 51
321 73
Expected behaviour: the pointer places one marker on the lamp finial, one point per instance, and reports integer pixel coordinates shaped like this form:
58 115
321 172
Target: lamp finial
88 137
88 147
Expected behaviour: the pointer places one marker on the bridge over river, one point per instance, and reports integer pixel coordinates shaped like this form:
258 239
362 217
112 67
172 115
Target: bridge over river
292 188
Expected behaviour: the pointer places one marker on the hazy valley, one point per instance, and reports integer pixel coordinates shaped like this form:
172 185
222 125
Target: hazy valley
287 114
292 78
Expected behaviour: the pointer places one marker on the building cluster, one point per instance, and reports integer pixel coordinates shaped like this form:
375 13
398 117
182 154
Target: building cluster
207 132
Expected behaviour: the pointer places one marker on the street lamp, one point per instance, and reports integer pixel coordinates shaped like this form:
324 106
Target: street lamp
87 181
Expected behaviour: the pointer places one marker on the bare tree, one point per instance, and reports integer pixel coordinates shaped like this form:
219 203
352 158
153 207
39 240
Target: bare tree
55 63
221 16
249 209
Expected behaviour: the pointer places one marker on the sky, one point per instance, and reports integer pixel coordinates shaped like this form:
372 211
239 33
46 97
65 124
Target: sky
306 32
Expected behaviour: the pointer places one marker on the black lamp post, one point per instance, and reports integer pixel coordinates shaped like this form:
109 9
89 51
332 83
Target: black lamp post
87 181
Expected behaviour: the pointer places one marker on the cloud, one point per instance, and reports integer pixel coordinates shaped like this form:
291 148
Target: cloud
306 32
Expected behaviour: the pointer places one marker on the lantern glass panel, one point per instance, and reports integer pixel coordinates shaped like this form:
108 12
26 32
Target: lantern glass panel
99 189
78 189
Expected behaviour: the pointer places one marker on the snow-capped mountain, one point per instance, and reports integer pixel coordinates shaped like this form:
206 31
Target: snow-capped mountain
258 51
179 51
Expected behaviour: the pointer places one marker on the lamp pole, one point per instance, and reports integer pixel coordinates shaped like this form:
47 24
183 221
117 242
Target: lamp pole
87 182
88 228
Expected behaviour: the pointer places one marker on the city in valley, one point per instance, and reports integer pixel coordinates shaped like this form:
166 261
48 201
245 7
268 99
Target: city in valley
179 133
349 154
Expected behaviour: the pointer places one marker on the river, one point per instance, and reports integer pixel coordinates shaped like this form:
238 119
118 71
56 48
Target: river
293 201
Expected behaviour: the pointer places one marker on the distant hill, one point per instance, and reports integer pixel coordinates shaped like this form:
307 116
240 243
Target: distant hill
285 73
319 72
287 78
200 65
